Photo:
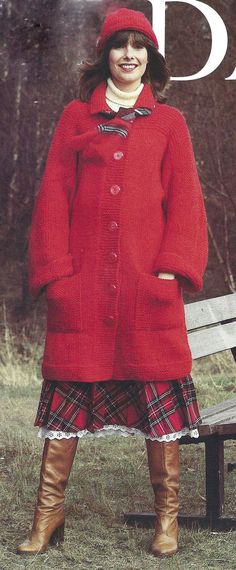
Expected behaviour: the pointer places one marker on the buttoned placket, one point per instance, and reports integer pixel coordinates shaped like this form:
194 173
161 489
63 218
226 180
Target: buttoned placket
110 207
110 235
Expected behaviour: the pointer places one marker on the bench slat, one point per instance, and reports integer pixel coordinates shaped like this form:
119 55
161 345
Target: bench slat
220 420
210 311
212 340
227 405
220 416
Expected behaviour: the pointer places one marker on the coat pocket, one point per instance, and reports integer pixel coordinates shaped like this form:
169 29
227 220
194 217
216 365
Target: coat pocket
64 304
159 303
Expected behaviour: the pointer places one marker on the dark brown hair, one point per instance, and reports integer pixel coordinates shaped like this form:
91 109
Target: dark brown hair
92 72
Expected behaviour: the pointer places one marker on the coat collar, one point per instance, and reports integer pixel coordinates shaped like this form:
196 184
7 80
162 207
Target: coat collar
98 98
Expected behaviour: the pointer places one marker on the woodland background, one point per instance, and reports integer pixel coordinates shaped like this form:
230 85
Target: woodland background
43 43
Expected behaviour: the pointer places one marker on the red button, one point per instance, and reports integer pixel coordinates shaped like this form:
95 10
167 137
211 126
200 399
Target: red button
113 288
112 257
112 226
118 155
115 189
109 319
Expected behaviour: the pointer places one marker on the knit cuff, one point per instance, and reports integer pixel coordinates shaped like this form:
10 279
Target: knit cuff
56 269
190 280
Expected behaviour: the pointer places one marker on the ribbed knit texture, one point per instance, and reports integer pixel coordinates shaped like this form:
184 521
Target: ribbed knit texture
138 210
116 98
125 19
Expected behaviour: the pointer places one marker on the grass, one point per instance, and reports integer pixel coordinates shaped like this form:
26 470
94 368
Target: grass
109 476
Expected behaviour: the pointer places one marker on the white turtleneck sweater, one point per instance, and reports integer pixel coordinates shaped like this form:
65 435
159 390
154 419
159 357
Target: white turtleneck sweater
116 98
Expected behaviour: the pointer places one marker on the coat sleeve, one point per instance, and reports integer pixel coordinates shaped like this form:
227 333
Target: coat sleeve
48 253
184 247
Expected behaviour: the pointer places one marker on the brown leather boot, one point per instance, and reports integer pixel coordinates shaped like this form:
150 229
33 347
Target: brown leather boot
49 516
163 462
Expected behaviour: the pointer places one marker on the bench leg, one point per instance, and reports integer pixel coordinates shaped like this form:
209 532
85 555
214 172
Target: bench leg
214 449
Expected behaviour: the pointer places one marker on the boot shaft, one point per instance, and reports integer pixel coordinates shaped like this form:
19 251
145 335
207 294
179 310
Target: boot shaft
163 462
164 470
57 459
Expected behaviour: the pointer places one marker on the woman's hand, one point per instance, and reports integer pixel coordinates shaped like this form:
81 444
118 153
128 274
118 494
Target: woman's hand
166 276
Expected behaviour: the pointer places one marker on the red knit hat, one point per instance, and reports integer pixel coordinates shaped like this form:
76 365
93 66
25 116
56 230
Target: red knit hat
125 19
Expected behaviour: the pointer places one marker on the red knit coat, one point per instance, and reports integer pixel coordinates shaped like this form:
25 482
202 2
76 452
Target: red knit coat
137 210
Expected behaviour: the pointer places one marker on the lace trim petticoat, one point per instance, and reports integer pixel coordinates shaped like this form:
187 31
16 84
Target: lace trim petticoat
115 430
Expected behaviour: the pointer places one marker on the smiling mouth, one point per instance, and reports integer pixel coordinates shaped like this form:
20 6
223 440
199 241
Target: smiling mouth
128 66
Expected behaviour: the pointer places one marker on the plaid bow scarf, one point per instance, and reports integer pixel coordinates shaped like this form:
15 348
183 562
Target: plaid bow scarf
126 114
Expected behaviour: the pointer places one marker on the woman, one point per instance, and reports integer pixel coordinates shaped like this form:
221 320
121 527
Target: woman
118 232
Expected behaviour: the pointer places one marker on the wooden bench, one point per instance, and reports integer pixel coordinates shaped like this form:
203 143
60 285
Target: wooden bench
211 326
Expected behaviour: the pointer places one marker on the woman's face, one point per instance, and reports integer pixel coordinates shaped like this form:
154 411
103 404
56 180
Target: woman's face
127 65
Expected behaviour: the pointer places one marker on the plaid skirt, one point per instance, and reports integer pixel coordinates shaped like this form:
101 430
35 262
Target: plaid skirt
157 410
